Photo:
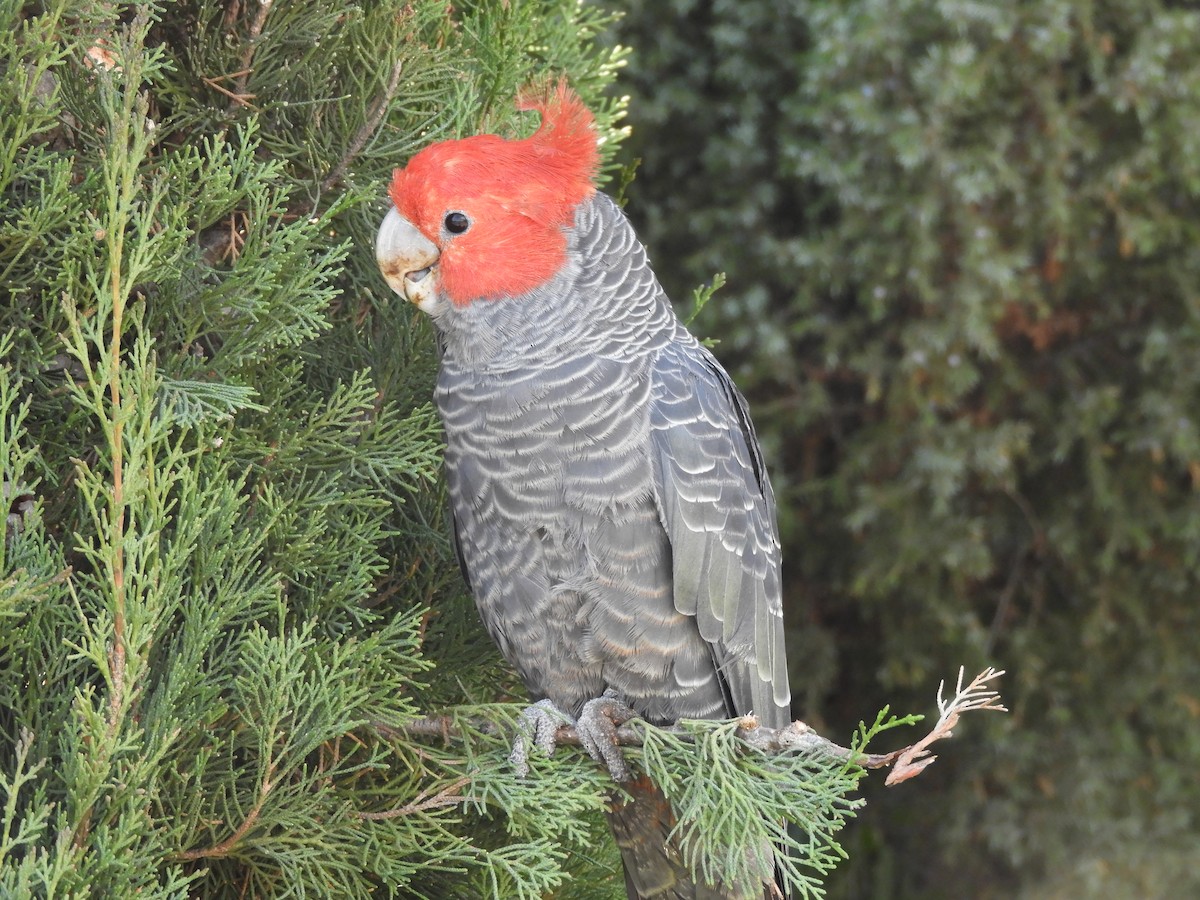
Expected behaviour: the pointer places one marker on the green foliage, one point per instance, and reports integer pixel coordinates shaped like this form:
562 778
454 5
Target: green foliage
736 806
224 576
509 814
961 296
792 801
700 298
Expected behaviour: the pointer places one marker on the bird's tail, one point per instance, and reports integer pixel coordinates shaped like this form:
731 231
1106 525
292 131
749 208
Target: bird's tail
654 867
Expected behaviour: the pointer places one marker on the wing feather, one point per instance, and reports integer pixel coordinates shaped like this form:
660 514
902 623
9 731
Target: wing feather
717 506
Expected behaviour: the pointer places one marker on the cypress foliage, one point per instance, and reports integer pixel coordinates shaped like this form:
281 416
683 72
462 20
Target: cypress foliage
224 572
960 241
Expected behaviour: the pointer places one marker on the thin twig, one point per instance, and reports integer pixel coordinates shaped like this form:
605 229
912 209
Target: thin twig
242 77
368 128
912 760
223 848
450 795
239 99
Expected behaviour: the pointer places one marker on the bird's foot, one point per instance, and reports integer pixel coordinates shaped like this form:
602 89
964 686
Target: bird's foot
538 724
596 729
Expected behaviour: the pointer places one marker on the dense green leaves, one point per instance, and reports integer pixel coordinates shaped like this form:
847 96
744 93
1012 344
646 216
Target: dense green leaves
960 241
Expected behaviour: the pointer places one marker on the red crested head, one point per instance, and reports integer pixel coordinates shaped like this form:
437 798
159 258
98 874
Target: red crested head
495 208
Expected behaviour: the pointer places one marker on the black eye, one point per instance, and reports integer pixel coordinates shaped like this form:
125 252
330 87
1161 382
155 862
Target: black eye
456 222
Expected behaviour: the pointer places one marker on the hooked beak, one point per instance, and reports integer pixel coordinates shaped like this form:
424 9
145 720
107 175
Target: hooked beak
406 258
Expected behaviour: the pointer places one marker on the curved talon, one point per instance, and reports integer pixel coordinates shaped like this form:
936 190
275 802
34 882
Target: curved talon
538 724
597 730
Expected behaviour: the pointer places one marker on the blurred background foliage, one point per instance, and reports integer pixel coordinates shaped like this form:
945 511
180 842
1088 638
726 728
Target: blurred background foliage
963 297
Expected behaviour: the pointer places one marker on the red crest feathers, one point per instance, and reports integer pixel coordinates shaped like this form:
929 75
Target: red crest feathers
566 141
519 196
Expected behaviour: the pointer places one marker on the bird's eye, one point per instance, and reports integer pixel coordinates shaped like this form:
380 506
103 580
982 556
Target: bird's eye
456 222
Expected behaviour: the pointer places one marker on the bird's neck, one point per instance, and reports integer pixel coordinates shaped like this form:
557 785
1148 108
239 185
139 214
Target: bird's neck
603 300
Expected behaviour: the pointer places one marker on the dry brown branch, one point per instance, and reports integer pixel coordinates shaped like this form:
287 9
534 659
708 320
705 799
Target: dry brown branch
238 95
240 98
913 760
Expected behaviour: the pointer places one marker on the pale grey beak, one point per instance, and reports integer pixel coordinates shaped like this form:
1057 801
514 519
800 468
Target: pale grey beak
407 259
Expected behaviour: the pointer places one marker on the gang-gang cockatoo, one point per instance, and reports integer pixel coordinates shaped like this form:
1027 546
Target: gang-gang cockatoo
611 508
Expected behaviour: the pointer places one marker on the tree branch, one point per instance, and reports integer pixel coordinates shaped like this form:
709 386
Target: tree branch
241 78
913 759
906 762
227 846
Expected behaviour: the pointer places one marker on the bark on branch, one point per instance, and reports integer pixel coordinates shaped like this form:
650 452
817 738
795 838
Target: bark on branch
905 762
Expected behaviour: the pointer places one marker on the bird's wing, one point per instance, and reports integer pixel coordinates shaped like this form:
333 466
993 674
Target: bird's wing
717 506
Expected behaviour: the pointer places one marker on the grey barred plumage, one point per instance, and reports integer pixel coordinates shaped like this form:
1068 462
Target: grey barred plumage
612 507
609 495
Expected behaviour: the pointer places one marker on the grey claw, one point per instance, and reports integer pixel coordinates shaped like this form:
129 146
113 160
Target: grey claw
596 727
537 724
597 730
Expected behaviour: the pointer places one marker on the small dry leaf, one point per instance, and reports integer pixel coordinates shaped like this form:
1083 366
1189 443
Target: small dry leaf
98 57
